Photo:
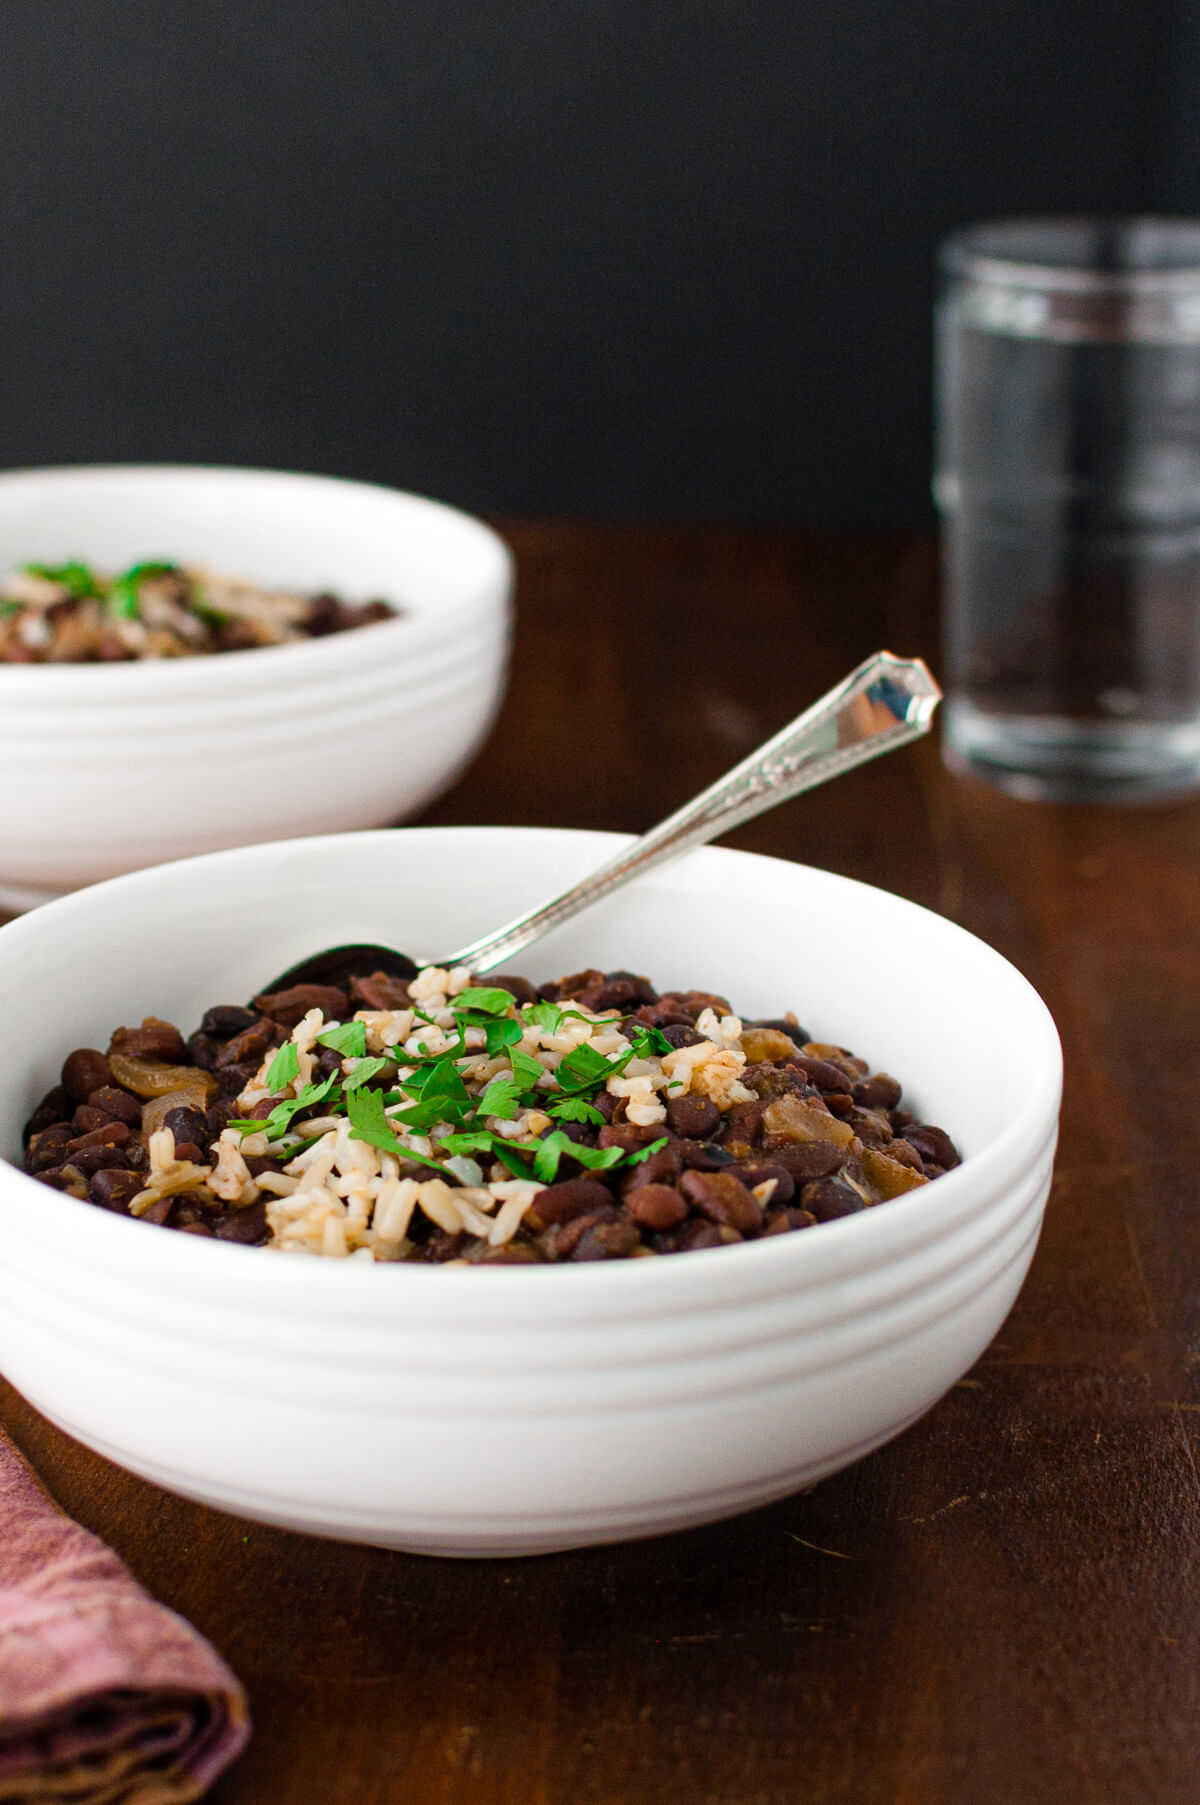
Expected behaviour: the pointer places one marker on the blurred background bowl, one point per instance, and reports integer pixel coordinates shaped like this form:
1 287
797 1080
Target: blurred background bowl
471 1410
111 767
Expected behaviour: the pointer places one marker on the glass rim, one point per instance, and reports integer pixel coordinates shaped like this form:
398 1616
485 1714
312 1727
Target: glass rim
976 253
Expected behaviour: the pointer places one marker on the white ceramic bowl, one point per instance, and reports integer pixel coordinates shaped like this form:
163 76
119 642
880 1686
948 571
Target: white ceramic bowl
111 767
465 1410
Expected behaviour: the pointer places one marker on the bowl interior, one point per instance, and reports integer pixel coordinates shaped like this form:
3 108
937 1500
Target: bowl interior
276 528
966 1035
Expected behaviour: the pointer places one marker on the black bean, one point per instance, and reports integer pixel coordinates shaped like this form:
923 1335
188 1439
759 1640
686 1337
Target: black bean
111 1188
879 1092
187 1124
117 1104
809 1159
203 1050
698 1235
571 1197
933 1144
695 1118
657 1207
614 993
783 1222
742 1124
680 1036
607 1241
158 1042
568 1234
218 1116
233 1079
107 1134
226 1020
629 1136
86 1118
828 1199
248 1047
513 1253
288 1007
94 1158
659 1168
48 1148
704 1156
84 1071
247 1225
723 1200
756 1172
54 1107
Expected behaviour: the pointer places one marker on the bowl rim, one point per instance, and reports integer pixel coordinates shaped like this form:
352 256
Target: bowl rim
39 685
981 1181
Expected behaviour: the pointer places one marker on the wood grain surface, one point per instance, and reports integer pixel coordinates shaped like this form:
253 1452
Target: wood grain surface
1002 1607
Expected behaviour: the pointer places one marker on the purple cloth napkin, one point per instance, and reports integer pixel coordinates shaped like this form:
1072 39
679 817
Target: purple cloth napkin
106 1698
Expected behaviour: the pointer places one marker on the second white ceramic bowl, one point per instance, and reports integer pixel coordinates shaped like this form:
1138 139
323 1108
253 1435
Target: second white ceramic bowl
111 767
502 1410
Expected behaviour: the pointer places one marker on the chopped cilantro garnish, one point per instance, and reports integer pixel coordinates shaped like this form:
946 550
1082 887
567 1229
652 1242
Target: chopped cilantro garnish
501 1035
546 1016
480 1140
574 1109
552 1149
123 597
280 1117
501 1098
347 1038
368 1123
74 577
365 1070
641 1153
583 1069
284 1067
527 1070
650 1043
488 1000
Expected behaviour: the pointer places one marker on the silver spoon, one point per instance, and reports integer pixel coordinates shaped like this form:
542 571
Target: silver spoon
882 705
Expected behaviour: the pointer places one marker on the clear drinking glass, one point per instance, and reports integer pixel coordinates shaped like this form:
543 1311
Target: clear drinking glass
1068 481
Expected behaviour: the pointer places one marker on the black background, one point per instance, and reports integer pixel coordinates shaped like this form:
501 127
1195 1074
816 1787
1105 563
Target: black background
647 260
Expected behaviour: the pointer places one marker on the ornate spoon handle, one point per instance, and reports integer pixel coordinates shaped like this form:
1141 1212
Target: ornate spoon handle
883 704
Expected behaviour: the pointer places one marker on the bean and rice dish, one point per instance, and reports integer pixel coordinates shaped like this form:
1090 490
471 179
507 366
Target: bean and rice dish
450 1120
73 614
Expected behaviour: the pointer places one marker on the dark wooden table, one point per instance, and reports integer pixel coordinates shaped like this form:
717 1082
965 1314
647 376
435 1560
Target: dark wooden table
1001 1608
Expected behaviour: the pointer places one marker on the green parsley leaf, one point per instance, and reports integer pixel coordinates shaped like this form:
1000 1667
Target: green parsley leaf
284 1067
480 1140
574 1109
501 1035
347 1038
527 1070
363 1071
553 1147
596 1159
517 1159
280 1117
73 576
546 1016
641 1153
123 598
650 1043
584 1069
368 1123
501 1098
489 1001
